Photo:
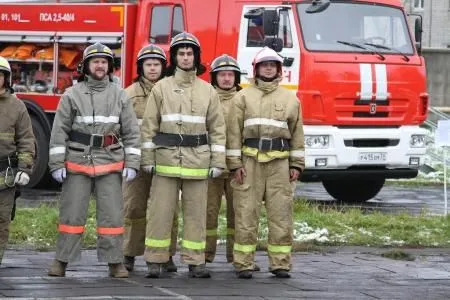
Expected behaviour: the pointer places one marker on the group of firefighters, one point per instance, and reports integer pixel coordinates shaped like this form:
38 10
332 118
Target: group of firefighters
168 135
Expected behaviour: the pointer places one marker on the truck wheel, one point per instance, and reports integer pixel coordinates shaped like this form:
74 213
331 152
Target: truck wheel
41 162
353 191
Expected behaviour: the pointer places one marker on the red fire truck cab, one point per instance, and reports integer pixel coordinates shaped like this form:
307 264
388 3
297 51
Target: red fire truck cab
353 65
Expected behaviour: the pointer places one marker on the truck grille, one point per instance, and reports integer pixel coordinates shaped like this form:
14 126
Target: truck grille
371 143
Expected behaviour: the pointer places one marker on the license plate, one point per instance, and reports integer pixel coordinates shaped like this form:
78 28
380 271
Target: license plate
372 156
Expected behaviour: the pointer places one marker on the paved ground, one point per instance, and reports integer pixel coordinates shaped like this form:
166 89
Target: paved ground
336 273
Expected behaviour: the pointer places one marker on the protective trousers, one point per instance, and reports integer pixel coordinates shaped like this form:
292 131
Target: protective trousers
216 188
74 203
268 181
136 194
6 206
160 213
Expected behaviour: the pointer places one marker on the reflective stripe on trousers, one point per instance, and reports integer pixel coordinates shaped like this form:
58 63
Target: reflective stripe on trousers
162 206
270 182
74 203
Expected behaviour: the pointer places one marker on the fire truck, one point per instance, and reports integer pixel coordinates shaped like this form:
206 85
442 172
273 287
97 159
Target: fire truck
355 66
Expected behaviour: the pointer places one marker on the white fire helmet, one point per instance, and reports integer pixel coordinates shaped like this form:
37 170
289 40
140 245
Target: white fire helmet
266 54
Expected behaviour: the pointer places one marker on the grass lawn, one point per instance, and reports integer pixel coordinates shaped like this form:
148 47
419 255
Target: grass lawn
314 226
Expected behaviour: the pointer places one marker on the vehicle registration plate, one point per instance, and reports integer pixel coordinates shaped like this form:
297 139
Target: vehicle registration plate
372 156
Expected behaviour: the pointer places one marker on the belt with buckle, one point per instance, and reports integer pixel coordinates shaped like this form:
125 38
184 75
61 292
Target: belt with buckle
93 140
267 144
184 140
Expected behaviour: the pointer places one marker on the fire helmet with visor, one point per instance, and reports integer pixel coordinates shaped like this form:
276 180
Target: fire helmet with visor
183 40
264 55
5 68
225 63
94 51
151 51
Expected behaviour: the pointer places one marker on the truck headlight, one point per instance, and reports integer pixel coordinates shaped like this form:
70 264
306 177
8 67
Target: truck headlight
417 141
317 141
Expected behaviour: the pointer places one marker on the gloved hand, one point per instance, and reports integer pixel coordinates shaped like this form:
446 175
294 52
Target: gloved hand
129 174
22 178
215 172
59 174
150 169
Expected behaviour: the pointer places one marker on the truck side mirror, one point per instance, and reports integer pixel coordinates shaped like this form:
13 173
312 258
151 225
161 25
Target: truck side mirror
254 13
270 22
418 34
318 6
275 43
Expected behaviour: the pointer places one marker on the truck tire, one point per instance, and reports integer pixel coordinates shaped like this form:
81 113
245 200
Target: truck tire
40 173
353 191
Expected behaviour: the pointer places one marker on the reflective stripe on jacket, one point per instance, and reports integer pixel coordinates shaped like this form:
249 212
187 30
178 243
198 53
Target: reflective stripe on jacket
266 110
183 104
104 111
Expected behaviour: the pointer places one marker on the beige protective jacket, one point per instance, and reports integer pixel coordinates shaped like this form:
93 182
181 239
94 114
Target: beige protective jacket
16 136
265 110
138 94
184 104
225 102
95 107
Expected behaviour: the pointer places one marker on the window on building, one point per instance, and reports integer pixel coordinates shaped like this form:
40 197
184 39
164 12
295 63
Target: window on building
161 31
418 4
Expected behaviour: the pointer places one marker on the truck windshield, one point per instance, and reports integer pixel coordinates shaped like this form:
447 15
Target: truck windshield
355 23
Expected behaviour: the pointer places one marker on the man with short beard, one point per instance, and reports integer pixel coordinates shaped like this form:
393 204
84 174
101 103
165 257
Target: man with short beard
265 149
151 65
95 141
184 133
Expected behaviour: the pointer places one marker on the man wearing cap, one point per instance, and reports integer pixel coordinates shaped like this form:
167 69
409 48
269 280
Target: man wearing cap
16 149
183 136
265 149
151 65
95 141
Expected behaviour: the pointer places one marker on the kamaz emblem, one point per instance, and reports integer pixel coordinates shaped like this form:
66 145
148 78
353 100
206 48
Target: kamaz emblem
373 108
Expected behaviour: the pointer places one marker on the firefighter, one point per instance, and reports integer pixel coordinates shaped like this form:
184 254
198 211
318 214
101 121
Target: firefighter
183 134
16 149
265 148
225 77
95 140
151 64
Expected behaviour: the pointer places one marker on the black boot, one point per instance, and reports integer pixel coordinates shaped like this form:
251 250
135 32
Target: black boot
128 262
199 271
170 266
154 270
245 274
281 273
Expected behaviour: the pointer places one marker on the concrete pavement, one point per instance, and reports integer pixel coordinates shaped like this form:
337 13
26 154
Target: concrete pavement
333 273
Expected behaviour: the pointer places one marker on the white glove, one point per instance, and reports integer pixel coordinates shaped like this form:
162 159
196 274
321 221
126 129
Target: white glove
129 173
215 172
59 174
150 169
22 178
